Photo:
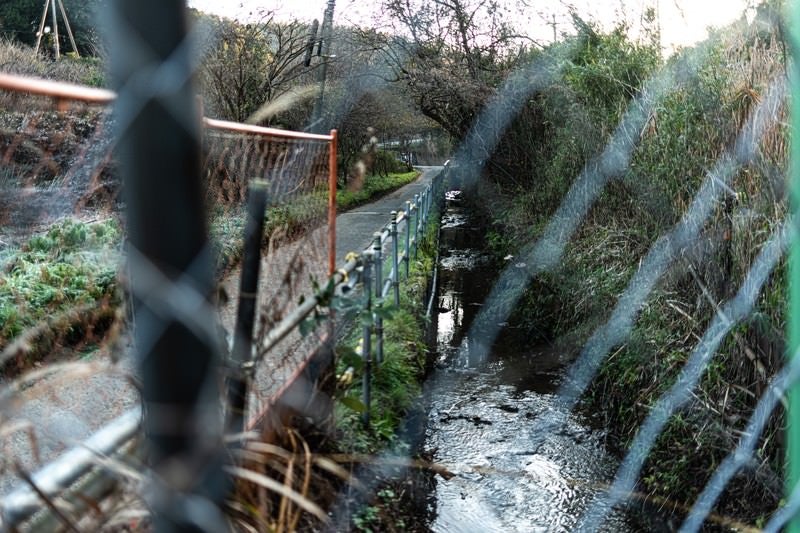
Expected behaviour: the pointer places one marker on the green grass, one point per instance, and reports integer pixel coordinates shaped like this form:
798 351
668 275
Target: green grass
288 220
687 131
74 263
374 186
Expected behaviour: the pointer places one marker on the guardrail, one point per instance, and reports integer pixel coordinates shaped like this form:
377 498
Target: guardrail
87 462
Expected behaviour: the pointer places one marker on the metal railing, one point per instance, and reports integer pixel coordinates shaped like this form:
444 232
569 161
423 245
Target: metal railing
380 275
414 220
406 227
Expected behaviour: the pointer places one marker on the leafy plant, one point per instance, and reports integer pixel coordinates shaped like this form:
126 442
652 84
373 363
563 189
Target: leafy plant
73 263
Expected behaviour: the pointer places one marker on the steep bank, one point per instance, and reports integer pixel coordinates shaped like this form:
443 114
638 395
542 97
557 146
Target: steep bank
681 141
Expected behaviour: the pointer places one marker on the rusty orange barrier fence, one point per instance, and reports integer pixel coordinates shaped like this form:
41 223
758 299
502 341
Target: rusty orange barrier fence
235 152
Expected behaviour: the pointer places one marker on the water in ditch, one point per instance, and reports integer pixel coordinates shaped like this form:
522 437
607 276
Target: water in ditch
483 417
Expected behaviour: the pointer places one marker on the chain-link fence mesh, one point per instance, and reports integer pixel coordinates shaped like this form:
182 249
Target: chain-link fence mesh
57 163
62 242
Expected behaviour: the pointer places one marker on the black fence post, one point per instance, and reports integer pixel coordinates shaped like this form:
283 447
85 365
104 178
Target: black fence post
158 130
241 355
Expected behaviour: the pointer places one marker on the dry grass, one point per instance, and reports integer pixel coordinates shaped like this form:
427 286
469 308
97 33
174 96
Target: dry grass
20 59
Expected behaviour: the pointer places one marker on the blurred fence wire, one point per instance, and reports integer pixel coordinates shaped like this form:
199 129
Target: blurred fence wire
60 158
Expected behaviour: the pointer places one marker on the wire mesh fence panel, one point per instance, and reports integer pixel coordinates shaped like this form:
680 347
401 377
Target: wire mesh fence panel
64 345
294 171
61 315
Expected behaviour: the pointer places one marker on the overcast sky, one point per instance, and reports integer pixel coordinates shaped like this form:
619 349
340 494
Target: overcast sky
683 22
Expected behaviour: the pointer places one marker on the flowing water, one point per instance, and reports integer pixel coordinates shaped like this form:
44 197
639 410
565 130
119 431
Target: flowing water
510 476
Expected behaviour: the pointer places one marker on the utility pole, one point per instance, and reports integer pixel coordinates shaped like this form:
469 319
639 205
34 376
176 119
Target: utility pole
324 52
555 25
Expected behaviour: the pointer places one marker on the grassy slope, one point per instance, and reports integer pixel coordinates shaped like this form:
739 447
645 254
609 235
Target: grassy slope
64 279
20 59
690 129
227 228
374 187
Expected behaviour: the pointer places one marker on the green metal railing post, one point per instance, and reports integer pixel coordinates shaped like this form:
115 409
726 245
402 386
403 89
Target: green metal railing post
422 214
431 192
376 249
793 417
416 224
395 260
426 196
407 257
366 348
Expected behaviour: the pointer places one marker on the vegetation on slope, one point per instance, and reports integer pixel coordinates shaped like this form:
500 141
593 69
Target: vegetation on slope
65 279
685 134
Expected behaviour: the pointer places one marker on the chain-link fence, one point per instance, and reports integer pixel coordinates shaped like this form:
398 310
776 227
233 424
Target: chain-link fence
63 236
56 147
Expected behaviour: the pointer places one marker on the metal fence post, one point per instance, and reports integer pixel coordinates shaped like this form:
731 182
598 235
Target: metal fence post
425 197
424 208
377 250
158 132
248 288
407 257
366 348
332 176
395 260
428 196
417 221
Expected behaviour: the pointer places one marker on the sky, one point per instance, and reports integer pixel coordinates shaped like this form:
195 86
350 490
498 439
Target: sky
683 22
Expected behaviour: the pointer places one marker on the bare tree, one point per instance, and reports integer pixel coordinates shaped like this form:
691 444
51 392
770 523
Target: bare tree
251 64
449 54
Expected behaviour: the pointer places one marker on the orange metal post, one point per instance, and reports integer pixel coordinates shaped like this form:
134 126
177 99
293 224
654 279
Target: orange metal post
332 204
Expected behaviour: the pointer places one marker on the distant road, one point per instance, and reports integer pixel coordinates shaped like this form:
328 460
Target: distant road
354 228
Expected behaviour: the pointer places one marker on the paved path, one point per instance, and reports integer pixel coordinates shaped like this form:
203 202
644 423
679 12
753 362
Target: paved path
286 275
354 228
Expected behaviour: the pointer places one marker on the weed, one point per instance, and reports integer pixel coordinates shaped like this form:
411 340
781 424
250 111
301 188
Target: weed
396 381
687 132
73 263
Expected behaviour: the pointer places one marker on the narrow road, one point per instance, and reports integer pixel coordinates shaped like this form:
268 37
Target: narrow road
354 228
